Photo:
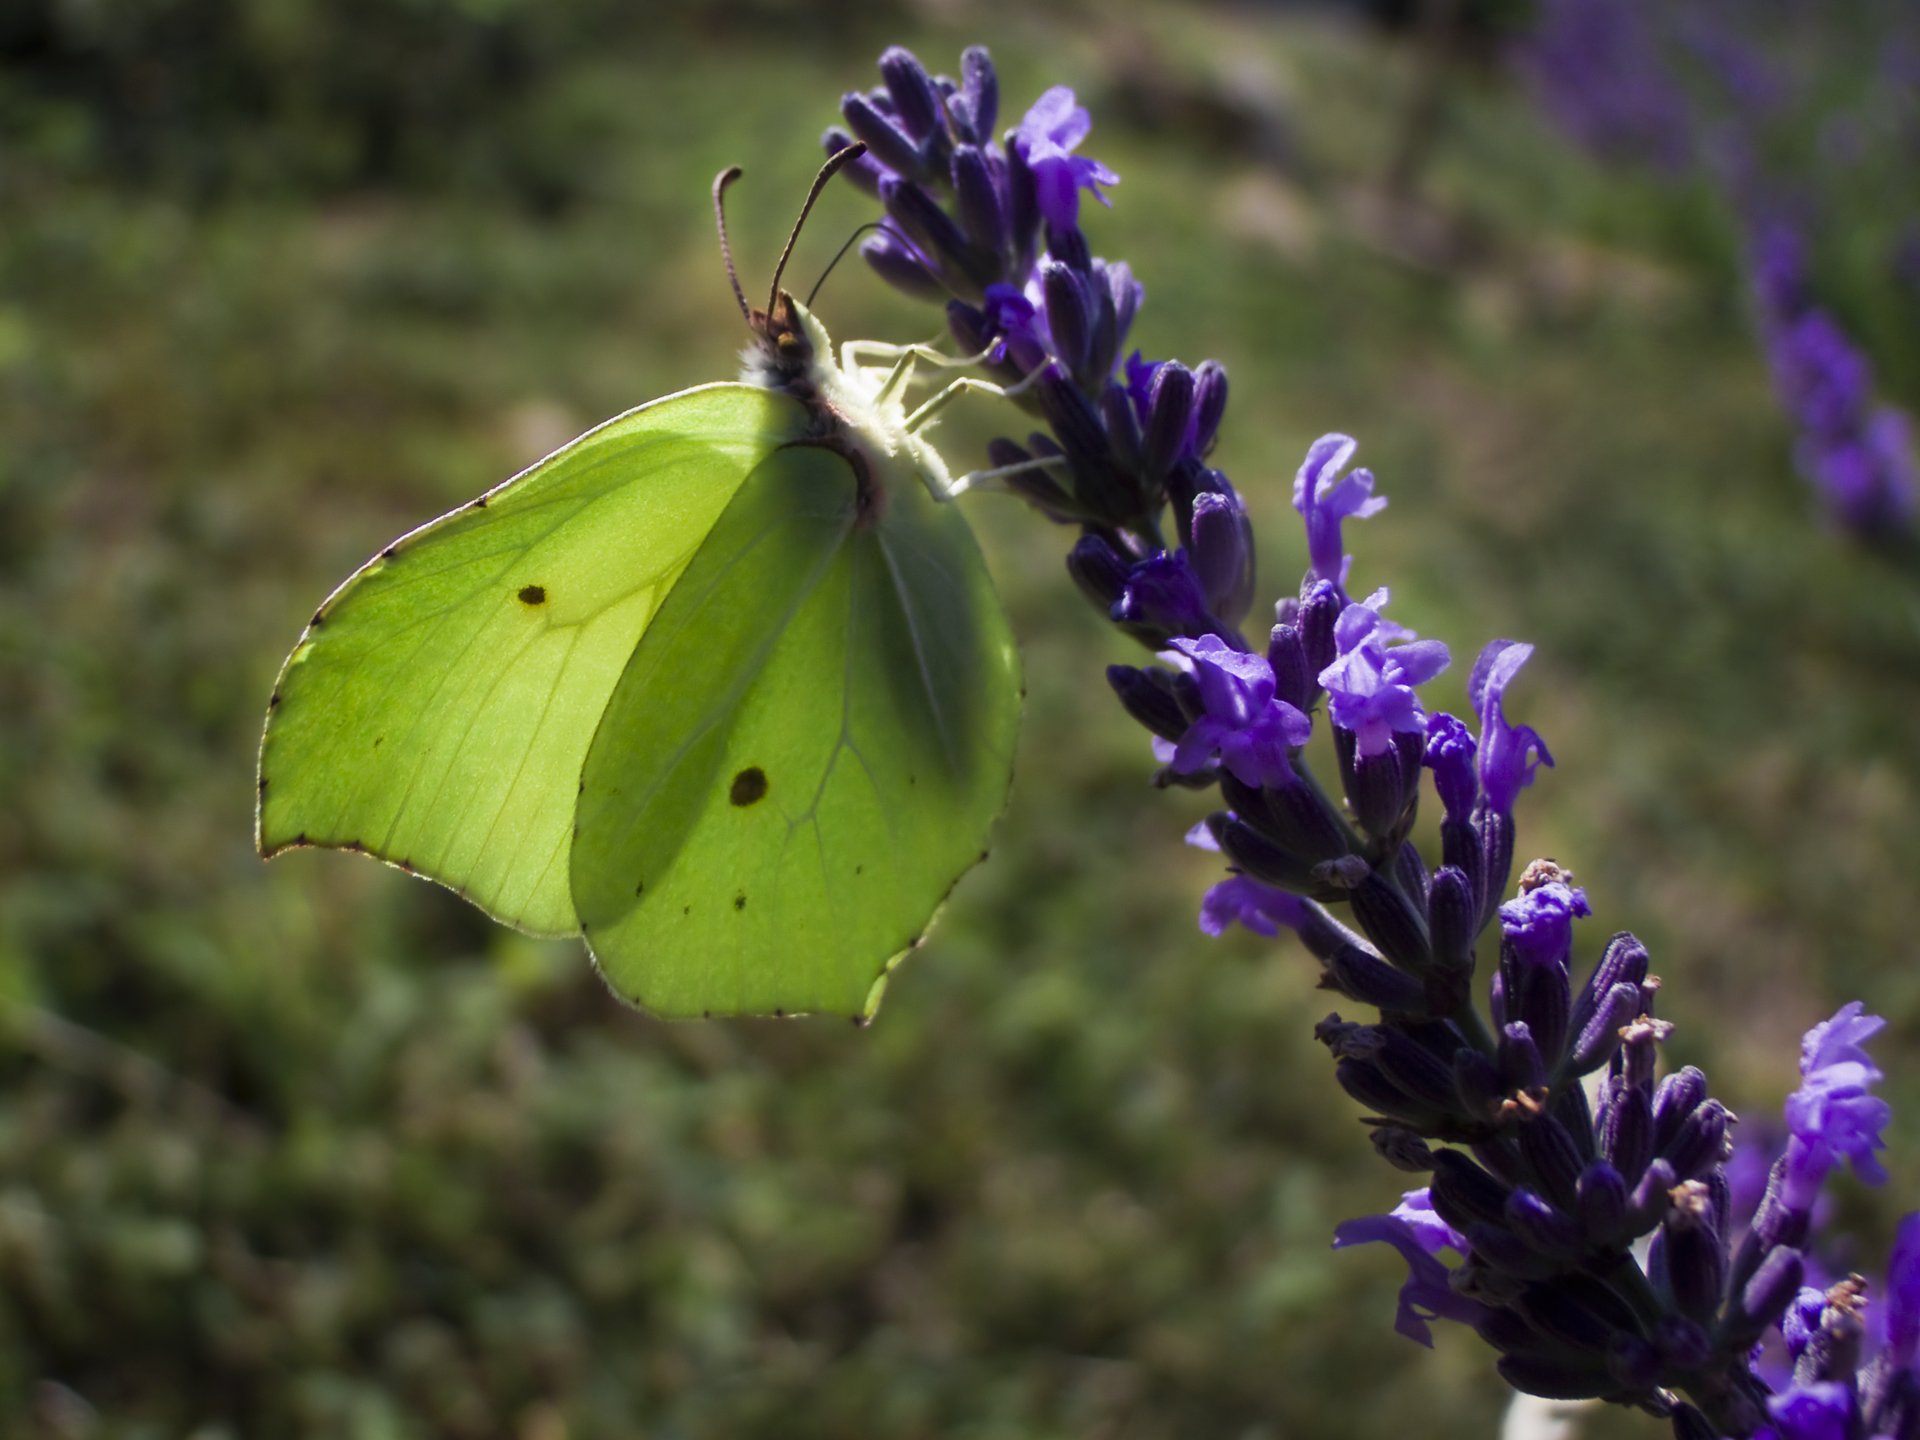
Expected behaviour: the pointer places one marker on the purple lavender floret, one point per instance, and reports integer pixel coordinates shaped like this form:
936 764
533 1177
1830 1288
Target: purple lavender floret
1045 140
1243 901
1242 724
1834 1115
1508 754
1420 1236
1324 499
1370 687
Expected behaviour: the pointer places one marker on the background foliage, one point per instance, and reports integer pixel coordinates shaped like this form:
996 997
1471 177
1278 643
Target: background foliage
315 1150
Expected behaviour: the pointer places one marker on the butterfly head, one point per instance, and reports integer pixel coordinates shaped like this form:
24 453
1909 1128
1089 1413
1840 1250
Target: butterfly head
784 334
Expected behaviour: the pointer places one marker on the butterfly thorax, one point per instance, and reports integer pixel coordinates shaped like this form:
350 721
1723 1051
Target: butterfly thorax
850 411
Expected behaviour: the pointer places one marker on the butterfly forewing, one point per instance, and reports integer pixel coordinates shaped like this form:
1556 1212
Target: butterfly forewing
440 706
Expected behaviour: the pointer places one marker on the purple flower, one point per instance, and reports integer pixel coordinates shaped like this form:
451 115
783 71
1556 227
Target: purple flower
1369 685
1834 1115
1261 908
1045 140
1324 499
1821 1411
1162 591
1419 1235
1903 1293
1449 754
1540 921
1509 754
1244 725
1021 325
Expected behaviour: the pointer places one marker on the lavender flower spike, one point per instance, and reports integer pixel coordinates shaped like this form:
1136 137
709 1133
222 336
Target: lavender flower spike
1046 139
1509 754
1244 724
1369 686
1324 499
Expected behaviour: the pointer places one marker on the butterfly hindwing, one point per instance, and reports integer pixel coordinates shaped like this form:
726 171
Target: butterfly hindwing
440 706
806 753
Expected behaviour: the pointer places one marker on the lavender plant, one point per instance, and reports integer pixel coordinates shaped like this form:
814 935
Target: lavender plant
1579 1212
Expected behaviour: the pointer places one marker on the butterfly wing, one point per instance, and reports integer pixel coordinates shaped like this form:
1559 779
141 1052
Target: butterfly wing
439 707
806 753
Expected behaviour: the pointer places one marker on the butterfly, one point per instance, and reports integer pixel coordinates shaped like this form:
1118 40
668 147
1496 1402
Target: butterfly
721 686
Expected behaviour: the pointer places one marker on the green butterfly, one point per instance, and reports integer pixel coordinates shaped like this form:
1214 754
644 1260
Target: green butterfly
719 686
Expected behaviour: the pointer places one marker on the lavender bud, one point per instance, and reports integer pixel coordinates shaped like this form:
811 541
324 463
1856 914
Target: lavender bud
1595 1043
1292 814
1069 317
1260 857
915 99
1635 1365
1554 1157
863 171
1291 680
1450 917
1376 789
1023 203
1538 993
1401 1148
1099 570
1069 247
1103 340
1320 607
887 146
1424 1076
978 199
1623 962
1397 930
1368 1084
1565 1312
1503 1250
1650 1199
1553 1379
1464 1194
1626 1131
1148 697
1169 414
1679 1095
1696 1260
1365 977
1209 403
894 263
1765 1297
1519 1060
1223 554
1542 1227
977 105
1701 1144
936 236
1496 857
1077 424
1602 1204
1123 430
1477 1084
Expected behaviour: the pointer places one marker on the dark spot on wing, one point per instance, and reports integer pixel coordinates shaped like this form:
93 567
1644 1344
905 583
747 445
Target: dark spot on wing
639 887
686 909
388 553
740 902
778 1013
406 865
983 856
263 784
273 700
749 786
376 741
533 594
859 869
301 838
479 504
314 623
913 779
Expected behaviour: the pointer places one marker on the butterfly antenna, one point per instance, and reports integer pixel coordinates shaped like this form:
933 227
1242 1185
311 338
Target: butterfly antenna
720 182
835 162
841 253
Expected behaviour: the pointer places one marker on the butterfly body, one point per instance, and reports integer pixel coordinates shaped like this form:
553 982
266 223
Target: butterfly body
720 685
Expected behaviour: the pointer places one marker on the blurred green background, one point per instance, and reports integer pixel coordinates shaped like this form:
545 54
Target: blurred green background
315 1150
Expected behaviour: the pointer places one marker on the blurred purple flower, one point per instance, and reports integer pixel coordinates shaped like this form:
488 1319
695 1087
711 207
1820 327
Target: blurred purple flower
1325 499
1244 725
1046 139
1508 754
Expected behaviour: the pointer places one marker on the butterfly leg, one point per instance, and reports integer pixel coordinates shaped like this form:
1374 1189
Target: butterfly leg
852 352
967 385
991 479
